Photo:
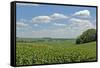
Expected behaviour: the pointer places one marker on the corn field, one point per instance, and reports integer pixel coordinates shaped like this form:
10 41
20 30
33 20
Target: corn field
54 52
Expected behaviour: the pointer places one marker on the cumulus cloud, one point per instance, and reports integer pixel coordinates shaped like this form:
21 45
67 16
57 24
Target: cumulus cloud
41 19
69 27
47 19
81 24
58 16
72 30
59 24
21 24
82 13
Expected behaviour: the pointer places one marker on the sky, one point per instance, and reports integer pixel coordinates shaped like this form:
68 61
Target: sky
55 21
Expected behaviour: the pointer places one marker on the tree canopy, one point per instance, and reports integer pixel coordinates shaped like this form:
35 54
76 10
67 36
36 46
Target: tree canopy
87 36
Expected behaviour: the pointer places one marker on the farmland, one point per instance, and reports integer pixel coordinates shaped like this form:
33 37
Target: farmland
51 51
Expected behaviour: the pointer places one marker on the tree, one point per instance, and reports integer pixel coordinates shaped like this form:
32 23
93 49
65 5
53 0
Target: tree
87 36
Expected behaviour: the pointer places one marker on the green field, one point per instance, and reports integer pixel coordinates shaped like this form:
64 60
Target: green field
54 51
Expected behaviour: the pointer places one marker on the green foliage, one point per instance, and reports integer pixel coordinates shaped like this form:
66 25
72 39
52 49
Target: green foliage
54 52
87 36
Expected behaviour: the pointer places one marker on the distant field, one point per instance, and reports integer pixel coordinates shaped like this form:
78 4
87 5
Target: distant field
53 51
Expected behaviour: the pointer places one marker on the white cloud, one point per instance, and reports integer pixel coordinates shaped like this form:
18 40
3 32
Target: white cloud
81 24
26 4
82 13
21 24
58 16
41 19
47 19
73 27
59 24
72 30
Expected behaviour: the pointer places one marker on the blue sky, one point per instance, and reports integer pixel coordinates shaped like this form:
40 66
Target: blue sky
37 20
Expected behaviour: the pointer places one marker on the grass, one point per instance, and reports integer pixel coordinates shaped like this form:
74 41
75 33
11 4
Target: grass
54 52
